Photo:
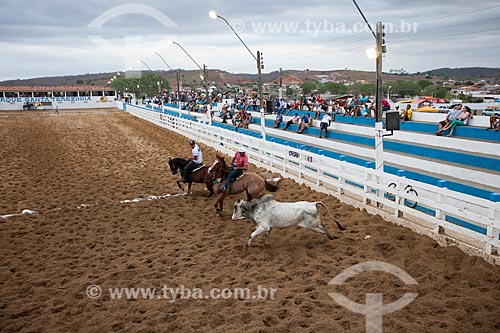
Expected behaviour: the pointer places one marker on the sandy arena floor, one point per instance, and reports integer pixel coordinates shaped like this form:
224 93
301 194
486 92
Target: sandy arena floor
54 164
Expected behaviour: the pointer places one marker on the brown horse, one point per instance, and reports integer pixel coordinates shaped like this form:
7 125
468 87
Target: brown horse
250 182
199 175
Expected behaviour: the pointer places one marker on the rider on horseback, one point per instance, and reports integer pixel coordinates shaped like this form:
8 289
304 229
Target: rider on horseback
194 161
238 165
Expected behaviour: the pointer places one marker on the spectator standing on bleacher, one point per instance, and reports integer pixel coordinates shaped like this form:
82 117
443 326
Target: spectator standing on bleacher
323 125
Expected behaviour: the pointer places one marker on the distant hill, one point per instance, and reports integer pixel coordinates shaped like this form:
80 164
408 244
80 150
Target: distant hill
465 73
220 78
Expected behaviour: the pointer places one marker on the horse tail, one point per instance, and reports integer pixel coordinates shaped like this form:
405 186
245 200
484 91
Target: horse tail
341 228
269 186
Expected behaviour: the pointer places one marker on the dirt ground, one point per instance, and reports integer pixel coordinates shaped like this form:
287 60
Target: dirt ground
53 164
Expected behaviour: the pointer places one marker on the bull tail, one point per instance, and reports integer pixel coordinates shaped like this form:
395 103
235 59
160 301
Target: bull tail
269 186
341 228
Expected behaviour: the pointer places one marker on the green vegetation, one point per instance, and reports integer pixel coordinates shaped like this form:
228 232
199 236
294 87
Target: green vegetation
308 87
145 85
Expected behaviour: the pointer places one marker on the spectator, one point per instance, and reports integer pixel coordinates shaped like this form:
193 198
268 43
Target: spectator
246 119
461 120
323 125
278 120
452 115
238 118
406 116
364 111
316 110
305 122
292 106
350 108
386 106
294 120
363 99
494 122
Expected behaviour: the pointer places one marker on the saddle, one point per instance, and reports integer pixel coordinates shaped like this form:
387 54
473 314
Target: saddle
198 167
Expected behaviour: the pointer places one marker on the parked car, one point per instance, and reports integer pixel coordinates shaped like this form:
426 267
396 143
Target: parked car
444 108
491 110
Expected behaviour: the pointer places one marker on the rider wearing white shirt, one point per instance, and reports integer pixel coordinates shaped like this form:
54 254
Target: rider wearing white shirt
195 160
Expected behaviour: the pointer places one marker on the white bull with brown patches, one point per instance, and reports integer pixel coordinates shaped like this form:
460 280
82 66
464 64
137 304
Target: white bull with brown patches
267 213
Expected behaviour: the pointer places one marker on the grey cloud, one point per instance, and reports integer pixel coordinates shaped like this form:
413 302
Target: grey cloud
58 24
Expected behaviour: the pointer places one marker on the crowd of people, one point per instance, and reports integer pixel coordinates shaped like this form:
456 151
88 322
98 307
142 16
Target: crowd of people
238 112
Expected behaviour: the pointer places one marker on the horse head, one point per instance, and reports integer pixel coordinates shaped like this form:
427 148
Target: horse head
172 165
218 167
176 163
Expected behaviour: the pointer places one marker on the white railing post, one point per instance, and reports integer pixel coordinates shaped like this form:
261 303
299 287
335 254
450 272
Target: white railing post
440 217
368 178
342 171
321 174
399 182
492 232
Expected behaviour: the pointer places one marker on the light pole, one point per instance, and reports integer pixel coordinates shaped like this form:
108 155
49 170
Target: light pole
140 61
377 53
176 75
204 69
214 15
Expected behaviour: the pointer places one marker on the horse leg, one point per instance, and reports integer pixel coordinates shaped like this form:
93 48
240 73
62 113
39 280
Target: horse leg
180 186
189 187
210 187
219 204
249 196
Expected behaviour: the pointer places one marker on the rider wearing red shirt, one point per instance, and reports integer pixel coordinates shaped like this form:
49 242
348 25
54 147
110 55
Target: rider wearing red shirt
238 165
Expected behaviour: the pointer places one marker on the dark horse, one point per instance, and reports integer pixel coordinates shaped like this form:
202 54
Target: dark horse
250 182
199 175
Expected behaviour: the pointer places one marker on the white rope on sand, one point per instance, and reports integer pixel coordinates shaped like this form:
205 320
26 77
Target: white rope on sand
152 197
88 205
25 211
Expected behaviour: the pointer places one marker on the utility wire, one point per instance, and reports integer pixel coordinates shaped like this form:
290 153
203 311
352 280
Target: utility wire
456 14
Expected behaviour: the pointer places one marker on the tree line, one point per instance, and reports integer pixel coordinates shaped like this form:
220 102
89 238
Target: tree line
400 88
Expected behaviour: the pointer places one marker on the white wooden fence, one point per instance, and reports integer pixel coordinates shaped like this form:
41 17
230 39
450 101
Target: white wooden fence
362 187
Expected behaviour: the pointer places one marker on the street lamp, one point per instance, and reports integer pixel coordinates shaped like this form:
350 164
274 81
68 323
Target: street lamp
389 92
140 61
177 75
204 69
377 53
214 15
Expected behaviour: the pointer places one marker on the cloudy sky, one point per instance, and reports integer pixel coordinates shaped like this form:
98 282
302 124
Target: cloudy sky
60 37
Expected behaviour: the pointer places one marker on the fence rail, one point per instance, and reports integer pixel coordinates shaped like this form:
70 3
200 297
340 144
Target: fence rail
450 217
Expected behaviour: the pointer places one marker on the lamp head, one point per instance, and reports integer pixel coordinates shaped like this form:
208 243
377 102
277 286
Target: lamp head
371 53
213 14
